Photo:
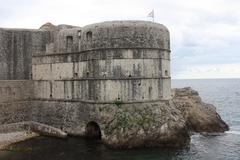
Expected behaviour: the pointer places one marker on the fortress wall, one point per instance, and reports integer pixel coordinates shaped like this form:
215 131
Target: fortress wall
124 34
15 90
114 34
105 63
16 49
15 99
99 91
13 112
126 61
73 117
117 63
67 40
69 116
128 74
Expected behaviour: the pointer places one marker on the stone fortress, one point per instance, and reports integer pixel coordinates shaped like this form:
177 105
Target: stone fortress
108 80
105 62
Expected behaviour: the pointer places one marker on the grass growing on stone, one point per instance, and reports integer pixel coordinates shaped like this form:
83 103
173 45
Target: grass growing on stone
118 103
128 118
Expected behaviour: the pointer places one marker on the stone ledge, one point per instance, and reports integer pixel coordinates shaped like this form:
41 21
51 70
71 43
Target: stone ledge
35 127
43 54
7 139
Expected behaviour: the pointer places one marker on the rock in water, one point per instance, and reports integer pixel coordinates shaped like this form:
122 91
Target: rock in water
159 124
199 116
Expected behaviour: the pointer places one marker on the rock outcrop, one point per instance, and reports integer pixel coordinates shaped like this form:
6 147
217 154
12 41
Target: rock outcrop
157 124
160 124
199 116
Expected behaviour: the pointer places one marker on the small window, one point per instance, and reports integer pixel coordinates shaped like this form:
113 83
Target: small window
166 73
89 36
69 43
79 34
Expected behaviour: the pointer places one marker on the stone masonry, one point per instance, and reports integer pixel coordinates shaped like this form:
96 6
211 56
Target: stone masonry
60 75
108 80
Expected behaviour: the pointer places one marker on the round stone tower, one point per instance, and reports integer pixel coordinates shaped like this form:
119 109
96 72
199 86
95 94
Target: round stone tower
127 61
89 71
130 61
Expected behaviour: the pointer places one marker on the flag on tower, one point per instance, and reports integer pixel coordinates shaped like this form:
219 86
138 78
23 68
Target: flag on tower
151 14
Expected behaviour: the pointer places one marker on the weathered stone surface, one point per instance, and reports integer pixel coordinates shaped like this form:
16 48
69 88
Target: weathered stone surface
15 90
125 34
199 116
122 125
110 80
16 49
12 112
125 60
7 139
35 127
143 125
162 124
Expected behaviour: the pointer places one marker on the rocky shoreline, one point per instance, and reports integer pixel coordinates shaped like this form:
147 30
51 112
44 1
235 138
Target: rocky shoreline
158 124
161 124
200 117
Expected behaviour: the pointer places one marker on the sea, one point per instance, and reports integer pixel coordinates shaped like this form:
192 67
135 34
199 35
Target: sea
223 93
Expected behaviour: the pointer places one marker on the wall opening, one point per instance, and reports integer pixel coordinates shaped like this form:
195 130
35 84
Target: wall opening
92 131
89 35
79 34
87 74
166 72
69 43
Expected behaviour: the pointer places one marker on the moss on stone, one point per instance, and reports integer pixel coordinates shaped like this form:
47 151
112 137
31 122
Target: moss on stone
118 103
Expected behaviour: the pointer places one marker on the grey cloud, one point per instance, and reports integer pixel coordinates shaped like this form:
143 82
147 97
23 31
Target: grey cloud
202 32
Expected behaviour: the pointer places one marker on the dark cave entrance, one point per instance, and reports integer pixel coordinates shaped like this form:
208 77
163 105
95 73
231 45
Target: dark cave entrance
93 131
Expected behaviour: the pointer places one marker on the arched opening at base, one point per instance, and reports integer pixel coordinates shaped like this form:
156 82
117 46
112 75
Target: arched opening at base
92 131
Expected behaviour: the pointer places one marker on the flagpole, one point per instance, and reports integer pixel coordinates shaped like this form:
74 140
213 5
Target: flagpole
151 14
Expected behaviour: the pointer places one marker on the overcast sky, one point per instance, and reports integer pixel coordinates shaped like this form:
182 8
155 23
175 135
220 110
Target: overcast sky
205 34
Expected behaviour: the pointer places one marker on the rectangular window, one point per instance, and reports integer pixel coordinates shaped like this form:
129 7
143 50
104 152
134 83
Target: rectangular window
69 43
79 34
89 36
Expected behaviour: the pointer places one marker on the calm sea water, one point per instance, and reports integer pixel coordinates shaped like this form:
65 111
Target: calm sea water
223 93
